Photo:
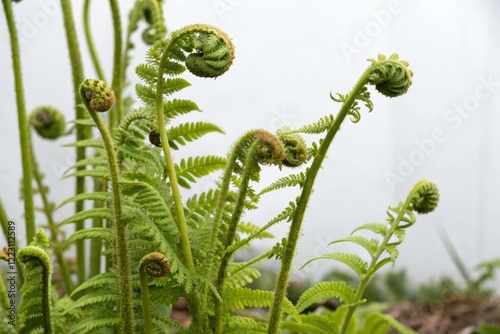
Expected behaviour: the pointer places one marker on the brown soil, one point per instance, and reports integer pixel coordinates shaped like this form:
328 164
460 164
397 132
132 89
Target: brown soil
457 314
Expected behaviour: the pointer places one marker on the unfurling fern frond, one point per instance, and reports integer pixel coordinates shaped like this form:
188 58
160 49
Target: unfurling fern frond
286 181
36 304
320 126
377 323
354 112
325 290
189 132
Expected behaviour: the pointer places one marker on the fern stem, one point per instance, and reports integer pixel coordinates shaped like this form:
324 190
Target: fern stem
24 137
372 266
121 241
95 243
116 113
48 210
146 306
82 132
90 41
4 220
293 236
250 163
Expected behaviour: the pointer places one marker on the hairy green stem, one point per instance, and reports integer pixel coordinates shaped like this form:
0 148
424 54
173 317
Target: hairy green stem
116 113
250 163
96 243
146 306
24 137
90 41
121 241
82 132
4 220
48 209
372 266
293 236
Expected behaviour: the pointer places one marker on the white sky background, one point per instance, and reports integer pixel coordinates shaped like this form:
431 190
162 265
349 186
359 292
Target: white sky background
289 56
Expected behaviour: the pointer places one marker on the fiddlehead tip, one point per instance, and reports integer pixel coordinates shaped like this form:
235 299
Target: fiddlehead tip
271 150
295 150
97 95
425 196
391 76
155 264
214 52
48 122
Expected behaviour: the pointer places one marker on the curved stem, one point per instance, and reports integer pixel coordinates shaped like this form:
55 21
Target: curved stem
231 233
116 113
90 41
82 132
372 266
29 210
48 210
121 241
293 236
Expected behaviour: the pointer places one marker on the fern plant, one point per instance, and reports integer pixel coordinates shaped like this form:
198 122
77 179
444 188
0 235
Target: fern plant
158 247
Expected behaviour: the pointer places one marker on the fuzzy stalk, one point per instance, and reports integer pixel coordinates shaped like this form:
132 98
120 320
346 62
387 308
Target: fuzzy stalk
82 132
48 209
90 40
293 236
231 233
116 113
24 137
146 305
121 241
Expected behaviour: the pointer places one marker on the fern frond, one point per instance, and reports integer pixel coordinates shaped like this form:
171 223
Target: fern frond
243 297
287 181
322 125
377 228
251 229
189 132
177 107
90 233
243 277
87 143
325 290
243 325
352 260
103 280
94 196
371 245
93 323
198 167
377 323
101 172
100 213
312 324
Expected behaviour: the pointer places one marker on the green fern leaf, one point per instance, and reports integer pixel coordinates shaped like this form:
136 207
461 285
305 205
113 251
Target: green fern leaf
101 172
352 260
318 127
198 167
392 251
243 325
88 214
377 228
312 324
96 297
87 143
189 132
90 233
106 280
287 181
177 107
243 297
94 161
377 323
92 324
371 245
94 196
325 290
251 229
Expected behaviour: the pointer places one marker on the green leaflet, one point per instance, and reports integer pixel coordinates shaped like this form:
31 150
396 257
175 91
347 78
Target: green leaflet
325 290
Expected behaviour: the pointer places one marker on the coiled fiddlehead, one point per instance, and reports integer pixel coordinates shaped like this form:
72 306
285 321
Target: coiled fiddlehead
35 308
425 196
295 150
97 95
48 122
270 149
391 77
157 265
